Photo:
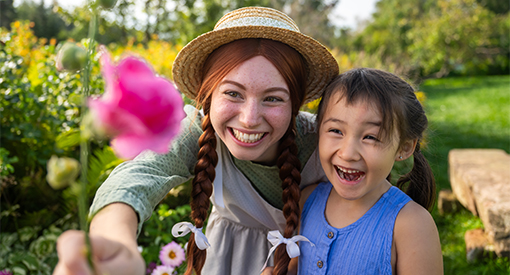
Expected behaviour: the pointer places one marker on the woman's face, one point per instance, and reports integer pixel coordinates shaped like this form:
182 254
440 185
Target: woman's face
251 110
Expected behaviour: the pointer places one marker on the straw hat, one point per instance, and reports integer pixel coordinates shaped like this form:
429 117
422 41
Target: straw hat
254 22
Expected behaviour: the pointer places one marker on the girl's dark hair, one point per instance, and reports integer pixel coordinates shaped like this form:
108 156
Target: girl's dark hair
400 110
292 67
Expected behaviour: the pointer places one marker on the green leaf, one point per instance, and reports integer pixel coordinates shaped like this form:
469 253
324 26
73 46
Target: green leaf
18 270
44 246
27 233
31 262
69 139
8 239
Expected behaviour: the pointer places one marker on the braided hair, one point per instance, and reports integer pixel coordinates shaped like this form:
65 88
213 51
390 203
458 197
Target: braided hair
220 62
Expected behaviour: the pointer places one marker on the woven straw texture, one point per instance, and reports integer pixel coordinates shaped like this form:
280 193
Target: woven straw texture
254 22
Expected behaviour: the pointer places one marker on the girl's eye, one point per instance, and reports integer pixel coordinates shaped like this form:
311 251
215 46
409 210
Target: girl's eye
370 137
273 99
336 131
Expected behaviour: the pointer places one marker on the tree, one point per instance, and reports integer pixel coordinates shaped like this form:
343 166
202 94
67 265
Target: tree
434 38
7 13
47 24
460 36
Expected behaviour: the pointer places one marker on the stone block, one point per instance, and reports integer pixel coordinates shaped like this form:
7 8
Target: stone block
477 245
480 179
447 202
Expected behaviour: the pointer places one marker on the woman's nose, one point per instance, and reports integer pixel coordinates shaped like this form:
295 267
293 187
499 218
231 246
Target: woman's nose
250 113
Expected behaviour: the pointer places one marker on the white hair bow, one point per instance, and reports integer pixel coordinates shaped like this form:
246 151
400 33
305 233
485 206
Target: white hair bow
276 238
185 228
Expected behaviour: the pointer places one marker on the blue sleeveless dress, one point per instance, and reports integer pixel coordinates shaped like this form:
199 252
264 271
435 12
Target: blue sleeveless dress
363 247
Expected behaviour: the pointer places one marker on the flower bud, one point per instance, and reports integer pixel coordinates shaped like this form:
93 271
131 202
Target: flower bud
71 57
62 171
107 4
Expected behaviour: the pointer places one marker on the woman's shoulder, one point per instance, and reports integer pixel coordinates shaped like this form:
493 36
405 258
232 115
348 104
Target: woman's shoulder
306 123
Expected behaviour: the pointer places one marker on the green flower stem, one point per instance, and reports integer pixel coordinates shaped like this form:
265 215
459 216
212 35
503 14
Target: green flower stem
84 143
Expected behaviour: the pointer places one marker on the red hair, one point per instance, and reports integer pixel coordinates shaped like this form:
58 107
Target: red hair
293 69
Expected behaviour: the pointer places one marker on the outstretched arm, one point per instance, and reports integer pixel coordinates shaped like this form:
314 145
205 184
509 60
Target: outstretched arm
113 238
418 247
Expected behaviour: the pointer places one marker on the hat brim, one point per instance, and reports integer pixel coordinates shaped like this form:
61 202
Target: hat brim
187 68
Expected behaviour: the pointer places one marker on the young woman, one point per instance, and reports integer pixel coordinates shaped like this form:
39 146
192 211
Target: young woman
249 77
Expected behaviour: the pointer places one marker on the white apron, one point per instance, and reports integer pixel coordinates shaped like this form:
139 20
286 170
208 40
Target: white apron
238 231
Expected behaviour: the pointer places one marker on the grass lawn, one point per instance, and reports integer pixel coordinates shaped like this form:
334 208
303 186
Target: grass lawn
465 112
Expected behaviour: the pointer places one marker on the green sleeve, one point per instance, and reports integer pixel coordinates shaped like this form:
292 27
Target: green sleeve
144 181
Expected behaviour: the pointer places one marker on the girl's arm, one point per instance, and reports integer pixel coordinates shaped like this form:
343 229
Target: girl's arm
418 248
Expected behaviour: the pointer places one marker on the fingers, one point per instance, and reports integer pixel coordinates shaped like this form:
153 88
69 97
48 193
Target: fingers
71 254
267 271
109 257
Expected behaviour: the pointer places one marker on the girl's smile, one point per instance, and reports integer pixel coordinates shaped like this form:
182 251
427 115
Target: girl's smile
349 176
251 110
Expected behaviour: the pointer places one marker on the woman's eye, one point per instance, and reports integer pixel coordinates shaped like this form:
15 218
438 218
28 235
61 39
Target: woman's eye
273 99
232 94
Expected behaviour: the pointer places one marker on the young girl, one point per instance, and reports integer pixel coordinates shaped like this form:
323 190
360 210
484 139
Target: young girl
358 222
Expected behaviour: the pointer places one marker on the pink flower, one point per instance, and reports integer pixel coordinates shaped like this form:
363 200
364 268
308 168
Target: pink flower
163 270
172 254
139 109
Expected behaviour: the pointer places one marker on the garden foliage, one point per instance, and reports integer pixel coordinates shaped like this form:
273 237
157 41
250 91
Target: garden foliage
40 109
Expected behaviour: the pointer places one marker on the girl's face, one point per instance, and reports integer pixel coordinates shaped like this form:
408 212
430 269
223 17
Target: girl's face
251 110
352 154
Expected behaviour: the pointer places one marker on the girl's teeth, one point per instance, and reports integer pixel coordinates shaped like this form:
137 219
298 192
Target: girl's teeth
247 138
350 175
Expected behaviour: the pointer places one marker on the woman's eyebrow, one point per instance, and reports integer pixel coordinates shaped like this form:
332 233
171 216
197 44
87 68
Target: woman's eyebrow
226 81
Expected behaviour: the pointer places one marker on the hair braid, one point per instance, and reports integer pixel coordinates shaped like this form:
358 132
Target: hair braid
422 186
201 192
290 166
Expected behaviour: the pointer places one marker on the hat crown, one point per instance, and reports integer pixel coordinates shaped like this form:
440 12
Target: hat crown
256 16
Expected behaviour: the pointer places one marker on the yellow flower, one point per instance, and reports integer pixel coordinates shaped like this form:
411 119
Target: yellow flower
314 104
421 97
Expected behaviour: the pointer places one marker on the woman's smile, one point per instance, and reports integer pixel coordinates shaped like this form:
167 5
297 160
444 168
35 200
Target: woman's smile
247 137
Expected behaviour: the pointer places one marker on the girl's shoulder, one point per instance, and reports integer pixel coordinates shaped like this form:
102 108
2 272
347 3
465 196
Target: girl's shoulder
417 240
413 216
305 193
312 189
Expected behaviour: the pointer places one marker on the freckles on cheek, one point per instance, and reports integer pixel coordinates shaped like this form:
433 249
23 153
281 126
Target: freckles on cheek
280 116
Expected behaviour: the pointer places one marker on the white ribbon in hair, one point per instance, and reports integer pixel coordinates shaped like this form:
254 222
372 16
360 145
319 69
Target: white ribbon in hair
185 228
276 238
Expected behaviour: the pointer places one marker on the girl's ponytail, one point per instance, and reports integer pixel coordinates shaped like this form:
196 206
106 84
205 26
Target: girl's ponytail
201 192
422 186
290 166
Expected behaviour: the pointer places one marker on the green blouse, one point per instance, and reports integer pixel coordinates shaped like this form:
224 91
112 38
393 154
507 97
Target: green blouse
144 181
